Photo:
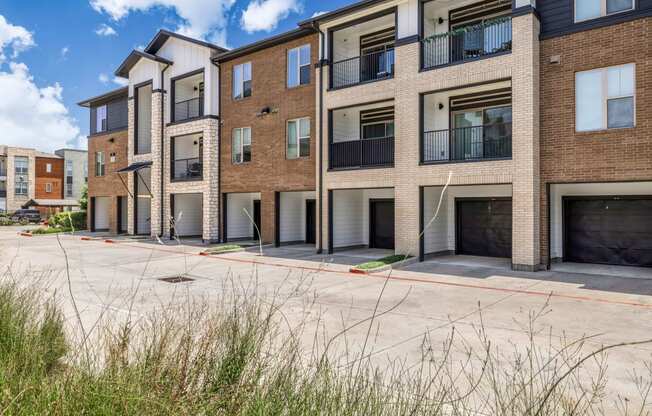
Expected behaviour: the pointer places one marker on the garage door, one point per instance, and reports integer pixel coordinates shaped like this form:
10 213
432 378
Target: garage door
102 209
607 230
484 227
381 213
188 215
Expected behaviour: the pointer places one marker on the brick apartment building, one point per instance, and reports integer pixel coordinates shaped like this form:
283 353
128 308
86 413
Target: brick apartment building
33 179
107 154
531 116
267 161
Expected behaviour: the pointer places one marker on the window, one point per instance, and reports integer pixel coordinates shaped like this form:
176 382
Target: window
592 9
241 145
605 98
299 66
298 138
48 188
21 175
99 164
69 178
100 119
48 167
143 133
242 81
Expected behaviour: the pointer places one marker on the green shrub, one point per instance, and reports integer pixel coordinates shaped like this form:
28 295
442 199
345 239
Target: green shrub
50 230
63 220
6 221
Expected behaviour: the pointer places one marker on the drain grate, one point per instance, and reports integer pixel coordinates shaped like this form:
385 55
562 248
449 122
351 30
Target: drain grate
176 279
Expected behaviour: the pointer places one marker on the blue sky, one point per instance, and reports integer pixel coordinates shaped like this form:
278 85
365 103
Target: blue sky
54 54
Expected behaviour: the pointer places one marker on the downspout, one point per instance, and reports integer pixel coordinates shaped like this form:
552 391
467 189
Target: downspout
163 149
320 178
221 236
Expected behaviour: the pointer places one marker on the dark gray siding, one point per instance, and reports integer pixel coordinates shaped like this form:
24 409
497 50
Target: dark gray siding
117 115
557 17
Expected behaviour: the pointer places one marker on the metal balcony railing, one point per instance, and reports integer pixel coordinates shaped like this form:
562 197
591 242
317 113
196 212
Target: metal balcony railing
188 109
469 143
187 169
362 153
360 69
468 43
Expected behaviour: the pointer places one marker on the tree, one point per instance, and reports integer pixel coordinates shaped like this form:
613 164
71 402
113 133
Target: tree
83 201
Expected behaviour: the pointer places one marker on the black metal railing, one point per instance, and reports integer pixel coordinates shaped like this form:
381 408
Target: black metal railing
471 42
3 172
370 67
3 193
469 143
188 109
187 169
362 153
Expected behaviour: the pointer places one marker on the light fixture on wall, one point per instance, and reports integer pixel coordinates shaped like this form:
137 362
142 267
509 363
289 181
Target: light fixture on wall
195 142
441 106
440 20
111 140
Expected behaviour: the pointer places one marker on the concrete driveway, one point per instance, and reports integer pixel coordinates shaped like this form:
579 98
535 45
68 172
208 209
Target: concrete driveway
429 299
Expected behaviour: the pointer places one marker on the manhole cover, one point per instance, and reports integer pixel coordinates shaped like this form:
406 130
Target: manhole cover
176 279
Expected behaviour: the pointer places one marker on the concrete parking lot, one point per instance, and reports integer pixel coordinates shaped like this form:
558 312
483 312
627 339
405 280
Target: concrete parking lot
431 298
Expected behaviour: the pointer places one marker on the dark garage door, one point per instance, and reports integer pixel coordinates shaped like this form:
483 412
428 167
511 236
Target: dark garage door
608 231
484 227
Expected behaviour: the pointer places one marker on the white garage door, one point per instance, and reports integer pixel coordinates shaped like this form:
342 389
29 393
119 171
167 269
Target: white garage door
188 215
101 211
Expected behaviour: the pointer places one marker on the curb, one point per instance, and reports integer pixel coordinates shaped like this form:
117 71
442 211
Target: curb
402 263
236 250
26 234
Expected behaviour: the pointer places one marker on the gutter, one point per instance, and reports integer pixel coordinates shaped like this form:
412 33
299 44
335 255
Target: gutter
220 235
320 177
163 148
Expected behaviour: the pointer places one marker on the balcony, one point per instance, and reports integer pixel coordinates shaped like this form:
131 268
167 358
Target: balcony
189 109
478 143
186 158
362 51
364 153
467 43
187 169
188 97
362 137
360 69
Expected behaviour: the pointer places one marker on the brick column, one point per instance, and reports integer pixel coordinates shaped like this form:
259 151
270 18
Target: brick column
157 171
212 214
525 146
406 150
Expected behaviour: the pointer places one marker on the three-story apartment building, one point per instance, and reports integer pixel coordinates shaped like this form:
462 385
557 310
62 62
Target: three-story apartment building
418 95
268 152
500 128
107 155
173 125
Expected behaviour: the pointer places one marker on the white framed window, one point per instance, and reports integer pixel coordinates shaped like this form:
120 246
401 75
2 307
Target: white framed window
605 98
48 167
241 145
593 9
48 188
242 81
99 164
298 138
299 66
100 119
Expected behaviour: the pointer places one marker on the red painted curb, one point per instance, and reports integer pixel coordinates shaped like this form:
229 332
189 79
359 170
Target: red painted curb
26 234
204 254
109 241
86 239
357 271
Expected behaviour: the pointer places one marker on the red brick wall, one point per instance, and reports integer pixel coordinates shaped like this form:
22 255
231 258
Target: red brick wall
110 184
269 171
605 156
55 178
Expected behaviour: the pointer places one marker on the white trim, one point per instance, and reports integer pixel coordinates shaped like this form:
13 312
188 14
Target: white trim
603 11
299 65
242 130
299 137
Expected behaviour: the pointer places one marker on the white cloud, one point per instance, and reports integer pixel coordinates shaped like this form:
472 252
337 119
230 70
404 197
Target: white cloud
265 14
17 38
204 19
32 116
105 30
315 14
103 78
64 52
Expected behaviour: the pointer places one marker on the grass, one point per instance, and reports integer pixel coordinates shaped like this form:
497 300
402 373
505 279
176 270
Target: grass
50 230
239 355
223 248
385 261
